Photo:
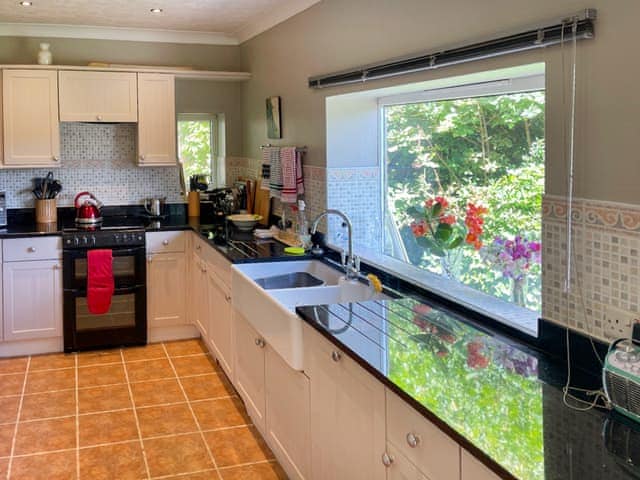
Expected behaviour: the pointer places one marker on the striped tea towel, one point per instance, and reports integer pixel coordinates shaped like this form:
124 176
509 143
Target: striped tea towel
266 168
275 173
292 182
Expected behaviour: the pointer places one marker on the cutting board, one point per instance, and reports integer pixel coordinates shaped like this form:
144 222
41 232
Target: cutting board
262 204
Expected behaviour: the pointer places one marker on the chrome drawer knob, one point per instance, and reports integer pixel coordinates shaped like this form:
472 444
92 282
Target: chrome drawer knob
165 242
31 249
387 460
142 157
260 342
413 440
55 158
336 356
99 118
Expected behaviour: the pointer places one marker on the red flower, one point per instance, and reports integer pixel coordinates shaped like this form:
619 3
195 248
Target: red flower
418 228
474 222
443 202
477 361
442 353
448 219
422 309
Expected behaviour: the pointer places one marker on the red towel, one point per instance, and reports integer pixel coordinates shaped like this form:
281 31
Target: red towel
100 284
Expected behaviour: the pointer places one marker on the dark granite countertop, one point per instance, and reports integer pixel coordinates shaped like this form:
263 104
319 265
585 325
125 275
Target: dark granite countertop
499 400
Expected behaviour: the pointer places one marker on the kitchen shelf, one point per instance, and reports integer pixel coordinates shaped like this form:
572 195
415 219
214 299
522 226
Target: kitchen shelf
177 72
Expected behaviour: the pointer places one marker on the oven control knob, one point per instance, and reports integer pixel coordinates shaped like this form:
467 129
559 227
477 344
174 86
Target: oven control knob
93 239
85 240
76 241
116 238
125 237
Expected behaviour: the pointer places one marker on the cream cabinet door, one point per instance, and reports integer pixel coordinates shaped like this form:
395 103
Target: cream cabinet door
220 327
288 431
199 295
98 96
473 469
249 369
32 299
156 120
347 414
30 118
166 294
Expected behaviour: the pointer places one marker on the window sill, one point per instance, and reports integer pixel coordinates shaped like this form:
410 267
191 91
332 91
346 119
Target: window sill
519 318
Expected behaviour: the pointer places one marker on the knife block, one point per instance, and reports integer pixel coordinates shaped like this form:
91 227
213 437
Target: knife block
46 211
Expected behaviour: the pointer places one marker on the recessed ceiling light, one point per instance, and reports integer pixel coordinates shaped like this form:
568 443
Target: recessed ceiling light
156 10
24 3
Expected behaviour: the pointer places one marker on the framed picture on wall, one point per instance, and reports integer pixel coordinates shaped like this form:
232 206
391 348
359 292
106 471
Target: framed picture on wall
274 129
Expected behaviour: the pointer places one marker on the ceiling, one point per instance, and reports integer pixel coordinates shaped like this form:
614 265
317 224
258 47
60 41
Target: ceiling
199 21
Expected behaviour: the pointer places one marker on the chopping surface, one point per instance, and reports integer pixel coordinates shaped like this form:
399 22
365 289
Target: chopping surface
496 396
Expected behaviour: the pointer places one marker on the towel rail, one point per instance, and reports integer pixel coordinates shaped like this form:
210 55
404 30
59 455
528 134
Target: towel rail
298 149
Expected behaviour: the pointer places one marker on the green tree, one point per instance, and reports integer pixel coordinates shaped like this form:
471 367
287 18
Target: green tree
194 139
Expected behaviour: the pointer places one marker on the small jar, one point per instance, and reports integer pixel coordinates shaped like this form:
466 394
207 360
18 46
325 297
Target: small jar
44 55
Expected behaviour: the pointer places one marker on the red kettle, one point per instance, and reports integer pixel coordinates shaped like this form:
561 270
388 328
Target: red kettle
87 209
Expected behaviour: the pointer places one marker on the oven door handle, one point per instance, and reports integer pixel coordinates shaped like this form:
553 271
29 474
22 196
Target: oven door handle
117 291
116 252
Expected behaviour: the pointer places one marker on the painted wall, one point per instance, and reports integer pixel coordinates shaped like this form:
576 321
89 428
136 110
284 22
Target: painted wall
338 34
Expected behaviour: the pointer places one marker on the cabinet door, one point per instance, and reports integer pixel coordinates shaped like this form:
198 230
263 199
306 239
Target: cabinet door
400 467
199 295
288 431
32 300
347 415
156 120
220 327
98 96
30 119
249 369
166 294
473 469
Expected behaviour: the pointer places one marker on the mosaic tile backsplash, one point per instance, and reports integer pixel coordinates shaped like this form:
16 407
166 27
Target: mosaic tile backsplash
605 260
100 158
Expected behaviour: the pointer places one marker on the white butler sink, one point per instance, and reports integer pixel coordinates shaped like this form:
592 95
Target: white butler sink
272 312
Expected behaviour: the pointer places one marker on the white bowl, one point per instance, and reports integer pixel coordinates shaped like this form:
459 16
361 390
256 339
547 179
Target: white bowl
245 222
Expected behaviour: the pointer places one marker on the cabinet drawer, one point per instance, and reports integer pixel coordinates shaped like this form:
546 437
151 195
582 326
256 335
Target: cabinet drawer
166 242
432 451
473 469
21 249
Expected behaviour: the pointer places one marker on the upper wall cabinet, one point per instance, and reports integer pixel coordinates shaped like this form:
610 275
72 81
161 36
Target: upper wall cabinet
30 118
156 120
98 96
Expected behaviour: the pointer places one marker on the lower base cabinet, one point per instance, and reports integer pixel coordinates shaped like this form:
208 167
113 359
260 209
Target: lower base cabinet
166 297
220 331
347 414
288 428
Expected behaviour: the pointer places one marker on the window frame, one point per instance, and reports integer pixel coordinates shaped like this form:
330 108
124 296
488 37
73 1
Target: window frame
212 118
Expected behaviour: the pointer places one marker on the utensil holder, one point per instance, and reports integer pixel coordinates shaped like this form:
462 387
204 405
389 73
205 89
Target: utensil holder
46 211
194 204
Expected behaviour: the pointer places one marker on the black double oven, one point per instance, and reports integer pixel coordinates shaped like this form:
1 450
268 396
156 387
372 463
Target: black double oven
125 323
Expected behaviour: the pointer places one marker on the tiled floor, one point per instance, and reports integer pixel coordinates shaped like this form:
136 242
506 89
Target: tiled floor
161 411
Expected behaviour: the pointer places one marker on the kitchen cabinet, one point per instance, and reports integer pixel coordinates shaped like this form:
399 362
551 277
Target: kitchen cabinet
249 369
220 331
473 469
32 306
200 308
288 418
347 411
156 120
97 96
434 453
30 118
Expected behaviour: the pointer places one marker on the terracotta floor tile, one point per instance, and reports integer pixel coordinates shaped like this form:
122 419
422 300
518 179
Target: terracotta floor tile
208 475
237 445
45 436
121 461
11 384
6 439
103 399
148 352
149 370
195 365
257 471
98 428
52 361
102 357
178 454
13 365
207 386
4 466
48 404
46 381
223 412
157 392
50 466
185 347
100 375
167 420
9 409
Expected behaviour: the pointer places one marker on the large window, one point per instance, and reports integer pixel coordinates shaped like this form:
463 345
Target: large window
197 145
464 178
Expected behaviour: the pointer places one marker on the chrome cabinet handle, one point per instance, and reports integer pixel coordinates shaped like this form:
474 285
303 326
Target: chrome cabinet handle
227 298
142 157
198 247
165 242
387 460
31 249
260 342
55 158
99 118
150 259
413 440
57 267
336 356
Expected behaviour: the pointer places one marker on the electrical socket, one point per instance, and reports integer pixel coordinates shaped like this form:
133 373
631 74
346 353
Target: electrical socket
618 323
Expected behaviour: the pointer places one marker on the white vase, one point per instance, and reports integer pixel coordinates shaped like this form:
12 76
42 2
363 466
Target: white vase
44 55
